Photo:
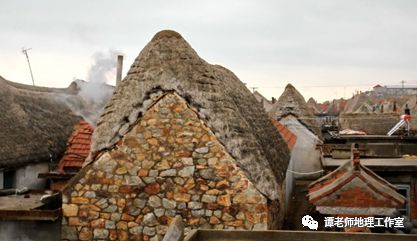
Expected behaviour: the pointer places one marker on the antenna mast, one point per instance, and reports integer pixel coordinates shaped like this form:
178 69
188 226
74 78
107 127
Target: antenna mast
25 52
402 84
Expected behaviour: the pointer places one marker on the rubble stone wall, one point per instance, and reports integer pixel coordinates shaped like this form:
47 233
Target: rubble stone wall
168 164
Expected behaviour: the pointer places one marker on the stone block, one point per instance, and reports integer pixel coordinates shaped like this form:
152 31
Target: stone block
85 234
208 198
224 200
70 210
136 230
101 233
150 220
69 233
169 204
153 188
168 173
182 197
149 231
187 171
154 201
80 200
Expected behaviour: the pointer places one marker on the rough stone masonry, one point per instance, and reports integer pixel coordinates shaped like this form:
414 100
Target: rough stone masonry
169 163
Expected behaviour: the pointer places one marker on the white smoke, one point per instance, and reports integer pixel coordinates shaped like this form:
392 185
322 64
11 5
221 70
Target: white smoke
95 91
101 73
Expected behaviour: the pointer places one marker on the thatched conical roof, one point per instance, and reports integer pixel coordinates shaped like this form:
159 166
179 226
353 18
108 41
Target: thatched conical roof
355 103
168 63
311 101
314 106
291 102
35 123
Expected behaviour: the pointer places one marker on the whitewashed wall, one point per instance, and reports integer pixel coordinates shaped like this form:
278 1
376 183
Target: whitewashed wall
28 176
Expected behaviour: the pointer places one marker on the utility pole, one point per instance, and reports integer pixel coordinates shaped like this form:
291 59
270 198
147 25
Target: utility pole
25 52
254 89
402 84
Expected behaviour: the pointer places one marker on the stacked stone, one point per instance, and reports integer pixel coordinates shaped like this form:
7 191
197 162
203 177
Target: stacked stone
168 164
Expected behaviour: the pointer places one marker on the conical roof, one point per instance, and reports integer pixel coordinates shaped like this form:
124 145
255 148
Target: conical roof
312 103
355 103
168 63
291 102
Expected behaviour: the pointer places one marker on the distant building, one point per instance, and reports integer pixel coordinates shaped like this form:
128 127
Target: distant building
394 90
264 101
353 190
390 161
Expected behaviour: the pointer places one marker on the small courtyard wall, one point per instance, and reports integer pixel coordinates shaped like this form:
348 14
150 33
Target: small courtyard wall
168 164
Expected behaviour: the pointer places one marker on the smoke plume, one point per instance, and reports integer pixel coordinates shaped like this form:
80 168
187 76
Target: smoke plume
101 73
95 91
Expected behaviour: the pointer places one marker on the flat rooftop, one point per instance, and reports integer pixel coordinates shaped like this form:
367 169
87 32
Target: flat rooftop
378 164
19 202
26 207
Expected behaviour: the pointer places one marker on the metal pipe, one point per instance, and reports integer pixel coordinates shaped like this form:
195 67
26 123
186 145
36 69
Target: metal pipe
119 69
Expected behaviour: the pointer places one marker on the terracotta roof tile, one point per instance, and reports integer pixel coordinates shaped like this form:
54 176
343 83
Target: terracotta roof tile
289 137
346 186
78 146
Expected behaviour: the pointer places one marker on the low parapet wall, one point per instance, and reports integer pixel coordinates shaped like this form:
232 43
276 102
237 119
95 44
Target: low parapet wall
371 123
280 235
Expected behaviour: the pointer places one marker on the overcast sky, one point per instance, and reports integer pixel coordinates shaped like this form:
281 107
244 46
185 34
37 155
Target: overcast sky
325 48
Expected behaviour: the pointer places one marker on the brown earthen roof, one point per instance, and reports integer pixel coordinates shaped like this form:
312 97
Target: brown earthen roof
35 123
78 147
168 63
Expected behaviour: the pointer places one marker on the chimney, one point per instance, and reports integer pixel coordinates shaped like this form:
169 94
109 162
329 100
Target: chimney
274 100
119 69
407 110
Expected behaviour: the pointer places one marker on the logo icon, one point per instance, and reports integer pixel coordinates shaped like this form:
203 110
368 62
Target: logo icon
308 221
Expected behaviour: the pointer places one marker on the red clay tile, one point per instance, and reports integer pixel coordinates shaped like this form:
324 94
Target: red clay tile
285 133
78 146
354 186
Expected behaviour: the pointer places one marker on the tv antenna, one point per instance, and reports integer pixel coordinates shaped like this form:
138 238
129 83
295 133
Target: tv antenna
25 52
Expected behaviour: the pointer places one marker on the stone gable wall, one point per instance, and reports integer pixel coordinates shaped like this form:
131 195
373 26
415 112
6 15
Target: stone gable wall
168 164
